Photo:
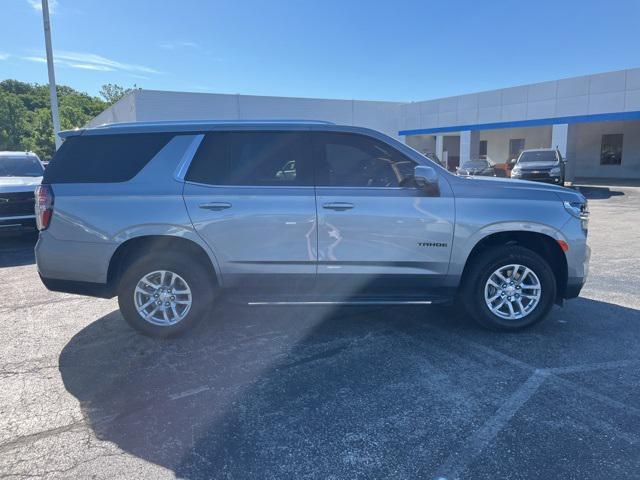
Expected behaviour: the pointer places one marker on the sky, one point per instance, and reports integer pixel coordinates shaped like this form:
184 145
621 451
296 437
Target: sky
402 50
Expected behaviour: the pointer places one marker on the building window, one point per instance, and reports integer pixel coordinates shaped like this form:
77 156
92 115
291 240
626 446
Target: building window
516 145
483 149
611 151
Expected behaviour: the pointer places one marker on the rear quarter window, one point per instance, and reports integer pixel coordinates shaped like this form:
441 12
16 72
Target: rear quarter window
104 158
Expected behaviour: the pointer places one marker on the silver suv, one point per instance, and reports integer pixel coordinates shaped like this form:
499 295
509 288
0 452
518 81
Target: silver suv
167 216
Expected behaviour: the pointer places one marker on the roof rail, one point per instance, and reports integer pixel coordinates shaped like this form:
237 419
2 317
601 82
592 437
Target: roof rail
213 122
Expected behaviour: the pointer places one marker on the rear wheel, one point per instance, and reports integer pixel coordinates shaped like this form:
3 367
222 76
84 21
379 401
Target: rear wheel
509 288
164 295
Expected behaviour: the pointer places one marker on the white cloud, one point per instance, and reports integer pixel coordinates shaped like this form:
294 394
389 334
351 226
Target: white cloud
4 56
178 44
37 4
35 59
89 66
92 61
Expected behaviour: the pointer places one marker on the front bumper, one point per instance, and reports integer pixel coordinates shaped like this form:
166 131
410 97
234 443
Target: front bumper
538 178
578 269
573 290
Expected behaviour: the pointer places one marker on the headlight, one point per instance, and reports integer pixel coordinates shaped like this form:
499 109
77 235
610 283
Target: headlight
555 172
515 171
579 210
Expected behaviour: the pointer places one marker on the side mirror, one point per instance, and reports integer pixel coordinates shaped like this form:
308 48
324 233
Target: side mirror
425 176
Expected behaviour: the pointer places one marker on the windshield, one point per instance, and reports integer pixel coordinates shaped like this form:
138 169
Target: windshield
541 156
475 164
20 167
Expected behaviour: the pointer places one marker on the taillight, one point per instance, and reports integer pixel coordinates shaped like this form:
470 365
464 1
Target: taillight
44 206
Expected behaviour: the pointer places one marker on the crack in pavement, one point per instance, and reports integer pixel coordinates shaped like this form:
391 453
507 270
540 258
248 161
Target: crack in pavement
33 437
25 306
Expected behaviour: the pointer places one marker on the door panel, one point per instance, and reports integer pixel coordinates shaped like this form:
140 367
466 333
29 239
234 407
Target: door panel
257 231
378 233
389 240
250 195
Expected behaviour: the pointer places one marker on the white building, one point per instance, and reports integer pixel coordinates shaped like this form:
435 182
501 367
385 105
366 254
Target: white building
594 120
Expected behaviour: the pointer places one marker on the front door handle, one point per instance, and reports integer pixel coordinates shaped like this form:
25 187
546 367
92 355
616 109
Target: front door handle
215 206
339 206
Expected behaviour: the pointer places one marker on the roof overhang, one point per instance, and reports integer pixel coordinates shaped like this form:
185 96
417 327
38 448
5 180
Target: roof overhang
596 117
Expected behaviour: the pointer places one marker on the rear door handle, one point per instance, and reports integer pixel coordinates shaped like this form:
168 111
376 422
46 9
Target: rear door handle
215 206
339 206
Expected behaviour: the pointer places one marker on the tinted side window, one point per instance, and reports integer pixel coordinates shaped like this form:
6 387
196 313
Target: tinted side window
252 158
351 160
104 158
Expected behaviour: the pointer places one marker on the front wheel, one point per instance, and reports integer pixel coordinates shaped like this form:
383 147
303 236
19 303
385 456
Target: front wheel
162 295
509 288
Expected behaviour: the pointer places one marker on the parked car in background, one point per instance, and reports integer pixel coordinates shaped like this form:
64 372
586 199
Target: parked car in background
504 169
20 173
169 215
478 167
540 165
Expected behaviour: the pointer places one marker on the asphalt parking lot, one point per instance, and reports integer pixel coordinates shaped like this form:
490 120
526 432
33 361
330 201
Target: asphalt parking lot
318 392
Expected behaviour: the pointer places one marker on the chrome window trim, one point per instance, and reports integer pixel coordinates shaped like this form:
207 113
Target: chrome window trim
190 182
187 157
368 188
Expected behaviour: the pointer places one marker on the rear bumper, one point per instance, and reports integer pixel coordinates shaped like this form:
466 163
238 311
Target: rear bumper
90 289
71 260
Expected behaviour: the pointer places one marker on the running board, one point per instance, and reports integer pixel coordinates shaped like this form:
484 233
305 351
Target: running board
348 302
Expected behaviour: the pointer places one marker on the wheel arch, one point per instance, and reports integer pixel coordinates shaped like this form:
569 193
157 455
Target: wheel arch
138 246
541 243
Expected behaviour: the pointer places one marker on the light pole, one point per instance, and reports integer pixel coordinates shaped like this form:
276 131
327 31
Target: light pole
52 75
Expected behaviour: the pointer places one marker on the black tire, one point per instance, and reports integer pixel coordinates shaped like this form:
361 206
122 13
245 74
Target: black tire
197 277
483 266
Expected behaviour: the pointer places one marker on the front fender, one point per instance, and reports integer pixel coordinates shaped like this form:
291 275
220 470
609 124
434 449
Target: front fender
463 247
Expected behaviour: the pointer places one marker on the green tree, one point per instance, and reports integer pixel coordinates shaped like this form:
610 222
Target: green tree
13 121
40 138
112 92
25 114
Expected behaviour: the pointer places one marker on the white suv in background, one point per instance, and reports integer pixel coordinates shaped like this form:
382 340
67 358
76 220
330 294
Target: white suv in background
20 173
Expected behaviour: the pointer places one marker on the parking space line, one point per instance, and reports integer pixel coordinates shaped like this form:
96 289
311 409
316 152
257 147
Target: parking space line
189 393
458 461
590 367
487 350
595 395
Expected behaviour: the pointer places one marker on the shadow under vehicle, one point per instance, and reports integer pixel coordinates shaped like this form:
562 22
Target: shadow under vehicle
358 392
